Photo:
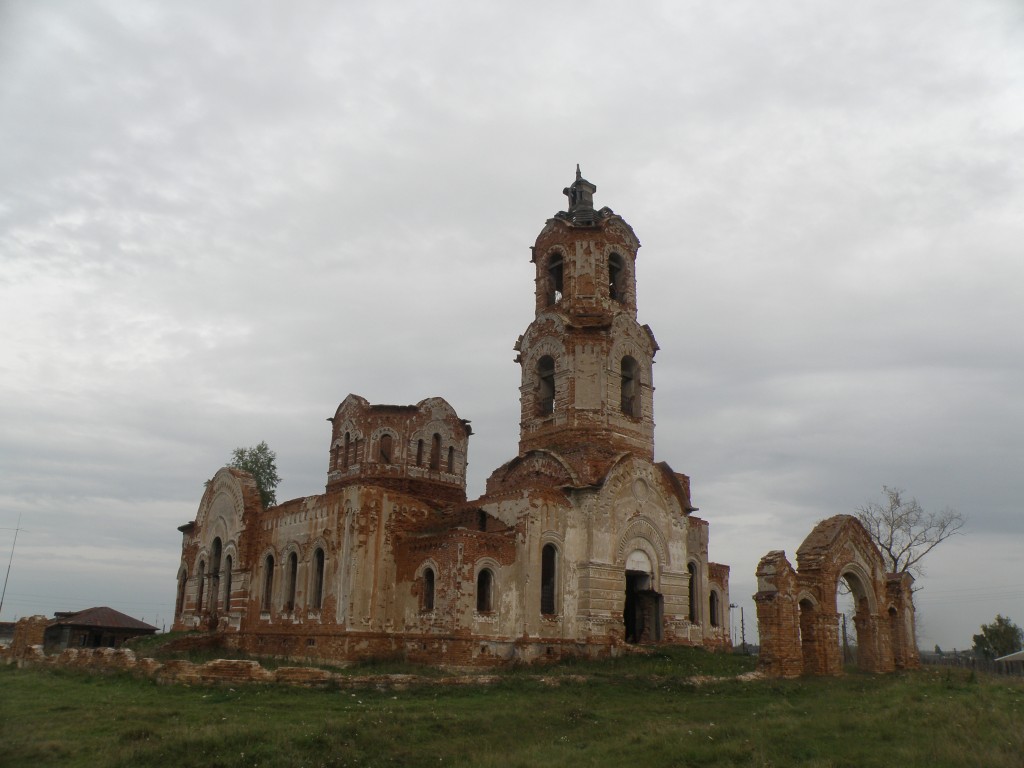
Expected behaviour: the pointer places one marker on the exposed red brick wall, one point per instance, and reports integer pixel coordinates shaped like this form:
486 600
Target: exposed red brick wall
28 632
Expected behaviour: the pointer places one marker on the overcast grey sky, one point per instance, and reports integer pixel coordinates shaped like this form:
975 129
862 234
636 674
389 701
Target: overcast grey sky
218 219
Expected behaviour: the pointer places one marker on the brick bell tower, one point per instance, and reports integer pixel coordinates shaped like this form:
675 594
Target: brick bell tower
587 389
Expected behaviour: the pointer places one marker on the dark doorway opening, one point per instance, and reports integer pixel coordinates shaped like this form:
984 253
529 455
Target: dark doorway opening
643 611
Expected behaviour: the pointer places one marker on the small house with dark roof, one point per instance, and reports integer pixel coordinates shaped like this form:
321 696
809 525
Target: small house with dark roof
92 628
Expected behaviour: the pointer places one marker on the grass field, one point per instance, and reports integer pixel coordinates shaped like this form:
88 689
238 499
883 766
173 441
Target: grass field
629 712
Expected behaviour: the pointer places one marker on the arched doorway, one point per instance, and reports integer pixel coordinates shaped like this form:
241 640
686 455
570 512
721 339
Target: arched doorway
860 649
642 613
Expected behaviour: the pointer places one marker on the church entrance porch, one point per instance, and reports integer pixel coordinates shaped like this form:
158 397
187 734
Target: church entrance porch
642 615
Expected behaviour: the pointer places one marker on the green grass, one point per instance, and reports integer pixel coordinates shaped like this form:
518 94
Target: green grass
630 711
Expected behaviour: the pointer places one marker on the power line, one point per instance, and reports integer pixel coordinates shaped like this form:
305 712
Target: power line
11 560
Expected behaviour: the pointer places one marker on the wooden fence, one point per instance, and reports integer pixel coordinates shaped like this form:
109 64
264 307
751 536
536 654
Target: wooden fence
968 660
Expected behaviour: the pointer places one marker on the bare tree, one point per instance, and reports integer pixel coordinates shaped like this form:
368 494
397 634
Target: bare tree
904 532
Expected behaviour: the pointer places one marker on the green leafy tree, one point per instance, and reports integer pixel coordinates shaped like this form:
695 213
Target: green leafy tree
1000 638
904 532
260 462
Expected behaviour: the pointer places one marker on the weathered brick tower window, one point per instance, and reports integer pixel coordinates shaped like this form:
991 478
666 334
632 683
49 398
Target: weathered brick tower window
546 386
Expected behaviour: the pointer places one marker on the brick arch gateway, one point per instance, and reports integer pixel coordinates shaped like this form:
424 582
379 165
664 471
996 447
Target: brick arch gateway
797 611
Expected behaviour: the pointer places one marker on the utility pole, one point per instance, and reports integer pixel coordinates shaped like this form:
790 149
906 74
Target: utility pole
732 627
9 561
743 630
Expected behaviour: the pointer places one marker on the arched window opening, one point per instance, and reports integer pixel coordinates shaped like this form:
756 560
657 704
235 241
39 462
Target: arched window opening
555 274
227 584
548 578
481 520
215 573
202 586
713 609
484 590
630 387
268 582
616 278
293 573
692 592
419 453
318 579
546 385
216 550
385 448
451 458
428 589
346 456
179 604
435 452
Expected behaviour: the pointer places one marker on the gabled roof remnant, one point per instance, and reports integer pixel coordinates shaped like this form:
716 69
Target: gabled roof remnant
100 617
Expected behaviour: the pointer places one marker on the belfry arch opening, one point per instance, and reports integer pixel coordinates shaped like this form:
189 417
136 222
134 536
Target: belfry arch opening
546 386
630 378
555 279
644 606
616 278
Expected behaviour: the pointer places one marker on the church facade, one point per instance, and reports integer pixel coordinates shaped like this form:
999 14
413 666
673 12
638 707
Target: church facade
581 544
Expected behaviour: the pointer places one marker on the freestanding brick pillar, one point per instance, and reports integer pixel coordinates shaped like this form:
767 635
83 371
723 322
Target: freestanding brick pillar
777 618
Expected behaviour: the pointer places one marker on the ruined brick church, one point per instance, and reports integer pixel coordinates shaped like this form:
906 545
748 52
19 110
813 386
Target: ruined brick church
582 543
